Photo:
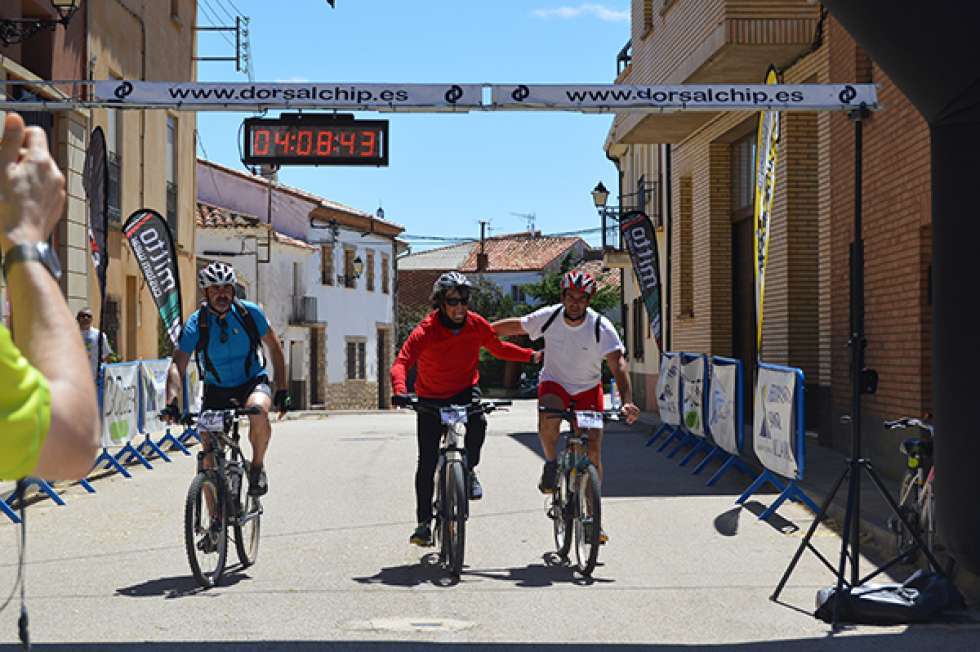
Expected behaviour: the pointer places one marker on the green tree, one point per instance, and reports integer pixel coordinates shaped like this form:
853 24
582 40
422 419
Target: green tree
548 290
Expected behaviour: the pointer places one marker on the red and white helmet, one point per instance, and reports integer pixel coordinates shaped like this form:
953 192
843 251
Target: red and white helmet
579 280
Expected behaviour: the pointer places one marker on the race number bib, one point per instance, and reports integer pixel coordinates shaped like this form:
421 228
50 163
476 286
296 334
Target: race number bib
211 421
452 415
588 420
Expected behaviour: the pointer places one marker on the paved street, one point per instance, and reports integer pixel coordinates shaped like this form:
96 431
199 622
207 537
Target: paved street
335 570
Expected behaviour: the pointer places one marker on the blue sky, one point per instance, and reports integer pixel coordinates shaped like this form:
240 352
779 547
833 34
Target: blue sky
446 172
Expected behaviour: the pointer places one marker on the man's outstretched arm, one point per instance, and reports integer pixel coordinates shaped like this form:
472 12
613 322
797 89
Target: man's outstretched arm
509 327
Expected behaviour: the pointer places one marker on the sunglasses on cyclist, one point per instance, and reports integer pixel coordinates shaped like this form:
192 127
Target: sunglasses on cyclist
223 323
453 301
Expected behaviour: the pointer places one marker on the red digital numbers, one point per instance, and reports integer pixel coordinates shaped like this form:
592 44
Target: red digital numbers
304 142
347 139
260 142
369 143
324 142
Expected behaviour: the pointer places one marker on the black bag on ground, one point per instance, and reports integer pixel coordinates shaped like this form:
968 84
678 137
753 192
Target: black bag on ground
921 598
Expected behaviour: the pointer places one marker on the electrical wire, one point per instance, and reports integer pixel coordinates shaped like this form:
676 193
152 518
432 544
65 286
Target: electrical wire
216 22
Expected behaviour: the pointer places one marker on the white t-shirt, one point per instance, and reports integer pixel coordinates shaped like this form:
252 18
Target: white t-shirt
91 339
572 357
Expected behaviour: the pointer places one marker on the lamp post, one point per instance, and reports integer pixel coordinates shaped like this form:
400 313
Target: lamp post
16 30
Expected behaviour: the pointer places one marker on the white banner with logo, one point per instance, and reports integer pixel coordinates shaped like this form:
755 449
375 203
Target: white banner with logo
723 414
669 389
692 373
292 95
120 403
775 431
154 378
688 97
193 388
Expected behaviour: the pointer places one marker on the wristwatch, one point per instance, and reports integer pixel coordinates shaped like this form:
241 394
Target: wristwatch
39 251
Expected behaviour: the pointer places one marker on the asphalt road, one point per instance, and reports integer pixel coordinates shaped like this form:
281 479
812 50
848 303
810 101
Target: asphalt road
335 571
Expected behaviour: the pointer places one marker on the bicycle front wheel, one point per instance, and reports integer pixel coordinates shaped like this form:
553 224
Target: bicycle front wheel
587 523
455 517
562 508
247 527
909 510
205 531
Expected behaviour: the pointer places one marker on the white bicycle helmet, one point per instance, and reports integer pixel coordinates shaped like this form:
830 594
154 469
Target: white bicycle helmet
216 273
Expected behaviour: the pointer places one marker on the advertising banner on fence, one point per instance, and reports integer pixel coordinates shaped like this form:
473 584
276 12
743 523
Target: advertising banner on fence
693 371
641 242
153 245
295 95
120 403
766 154
688 97
193 389
722 410
669 389
774 429
153 374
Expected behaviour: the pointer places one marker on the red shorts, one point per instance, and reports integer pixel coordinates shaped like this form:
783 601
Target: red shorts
590 399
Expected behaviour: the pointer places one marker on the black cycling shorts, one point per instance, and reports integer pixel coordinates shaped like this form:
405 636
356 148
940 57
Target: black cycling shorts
220 398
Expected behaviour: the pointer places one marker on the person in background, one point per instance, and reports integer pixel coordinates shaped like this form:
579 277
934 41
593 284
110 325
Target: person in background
49 422
90 337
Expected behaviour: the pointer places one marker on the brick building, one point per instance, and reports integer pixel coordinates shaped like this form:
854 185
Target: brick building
702 203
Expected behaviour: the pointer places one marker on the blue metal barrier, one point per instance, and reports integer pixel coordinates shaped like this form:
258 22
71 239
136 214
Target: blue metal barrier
735 414
790 490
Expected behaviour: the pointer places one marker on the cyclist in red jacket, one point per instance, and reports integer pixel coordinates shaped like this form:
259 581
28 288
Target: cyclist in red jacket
445 348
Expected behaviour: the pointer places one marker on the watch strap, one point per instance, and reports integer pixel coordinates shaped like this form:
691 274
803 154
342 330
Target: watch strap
22 253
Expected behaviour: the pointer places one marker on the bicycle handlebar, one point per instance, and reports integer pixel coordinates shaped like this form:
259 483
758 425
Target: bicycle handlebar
189 418
607 415
421 405
908 422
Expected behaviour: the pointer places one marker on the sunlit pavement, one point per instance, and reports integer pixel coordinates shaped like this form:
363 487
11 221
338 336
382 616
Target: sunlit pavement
335 570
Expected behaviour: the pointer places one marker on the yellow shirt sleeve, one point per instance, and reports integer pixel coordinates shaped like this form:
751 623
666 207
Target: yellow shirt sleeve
25 411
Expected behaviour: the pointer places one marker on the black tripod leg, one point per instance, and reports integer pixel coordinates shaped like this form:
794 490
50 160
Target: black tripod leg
849 519
809 534
920 544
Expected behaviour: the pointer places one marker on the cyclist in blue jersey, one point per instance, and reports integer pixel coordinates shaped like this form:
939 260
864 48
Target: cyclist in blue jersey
227 335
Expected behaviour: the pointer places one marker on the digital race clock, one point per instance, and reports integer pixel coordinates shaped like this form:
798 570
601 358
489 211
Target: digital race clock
315 139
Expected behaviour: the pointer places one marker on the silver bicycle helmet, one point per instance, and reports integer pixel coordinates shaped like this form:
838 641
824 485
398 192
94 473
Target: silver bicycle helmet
449 281
216 273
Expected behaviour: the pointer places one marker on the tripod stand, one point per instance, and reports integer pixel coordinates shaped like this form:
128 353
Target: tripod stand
863 381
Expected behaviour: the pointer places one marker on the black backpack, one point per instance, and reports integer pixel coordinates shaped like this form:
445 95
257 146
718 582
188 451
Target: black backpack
248 323
554 316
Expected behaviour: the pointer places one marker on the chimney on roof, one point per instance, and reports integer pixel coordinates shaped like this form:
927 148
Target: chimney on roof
482 260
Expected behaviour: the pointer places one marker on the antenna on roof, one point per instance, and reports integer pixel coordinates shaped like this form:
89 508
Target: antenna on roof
529 217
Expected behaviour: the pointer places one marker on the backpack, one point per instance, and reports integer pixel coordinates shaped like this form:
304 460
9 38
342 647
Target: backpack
248 323
554 316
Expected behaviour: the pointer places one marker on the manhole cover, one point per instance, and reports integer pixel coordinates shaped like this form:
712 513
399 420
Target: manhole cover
408 625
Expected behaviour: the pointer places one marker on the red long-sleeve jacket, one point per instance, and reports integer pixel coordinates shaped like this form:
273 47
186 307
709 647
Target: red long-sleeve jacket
447 363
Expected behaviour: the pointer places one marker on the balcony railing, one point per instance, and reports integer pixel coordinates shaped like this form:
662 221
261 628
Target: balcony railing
304 310
624 58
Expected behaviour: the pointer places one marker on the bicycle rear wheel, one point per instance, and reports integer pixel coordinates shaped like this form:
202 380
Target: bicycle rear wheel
455 517
587 523
562 508
909 509
247 528
205 531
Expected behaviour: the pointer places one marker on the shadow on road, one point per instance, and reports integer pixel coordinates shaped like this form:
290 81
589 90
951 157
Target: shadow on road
554 570
912 639
179 586
427 571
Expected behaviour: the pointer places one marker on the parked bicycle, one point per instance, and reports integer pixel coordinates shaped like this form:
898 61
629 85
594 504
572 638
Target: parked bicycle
917 499
214 500
451 505
576 507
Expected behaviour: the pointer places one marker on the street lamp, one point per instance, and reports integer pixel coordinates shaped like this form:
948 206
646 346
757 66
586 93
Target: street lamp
16 30
600 195
358 267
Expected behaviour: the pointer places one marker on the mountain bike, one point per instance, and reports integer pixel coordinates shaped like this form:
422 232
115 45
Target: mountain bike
451 505
917 500
214 500
576 507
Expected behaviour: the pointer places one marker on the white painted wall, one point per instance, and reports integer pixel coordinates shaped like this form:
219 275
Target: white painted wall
507 280
353 312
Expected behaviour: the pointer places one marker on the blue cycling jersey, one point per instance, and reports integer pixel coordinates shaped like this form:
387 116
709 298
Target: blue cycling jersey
228 357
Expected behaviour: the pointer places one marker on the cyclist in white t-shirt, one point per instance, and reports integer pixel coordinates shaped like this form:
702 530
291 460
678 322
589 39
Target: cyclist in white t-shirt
577 339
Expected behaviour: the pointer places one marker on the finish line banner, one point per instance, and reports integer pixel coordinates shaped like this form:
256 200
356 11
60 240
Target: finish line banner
599 98
687 97
311 95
